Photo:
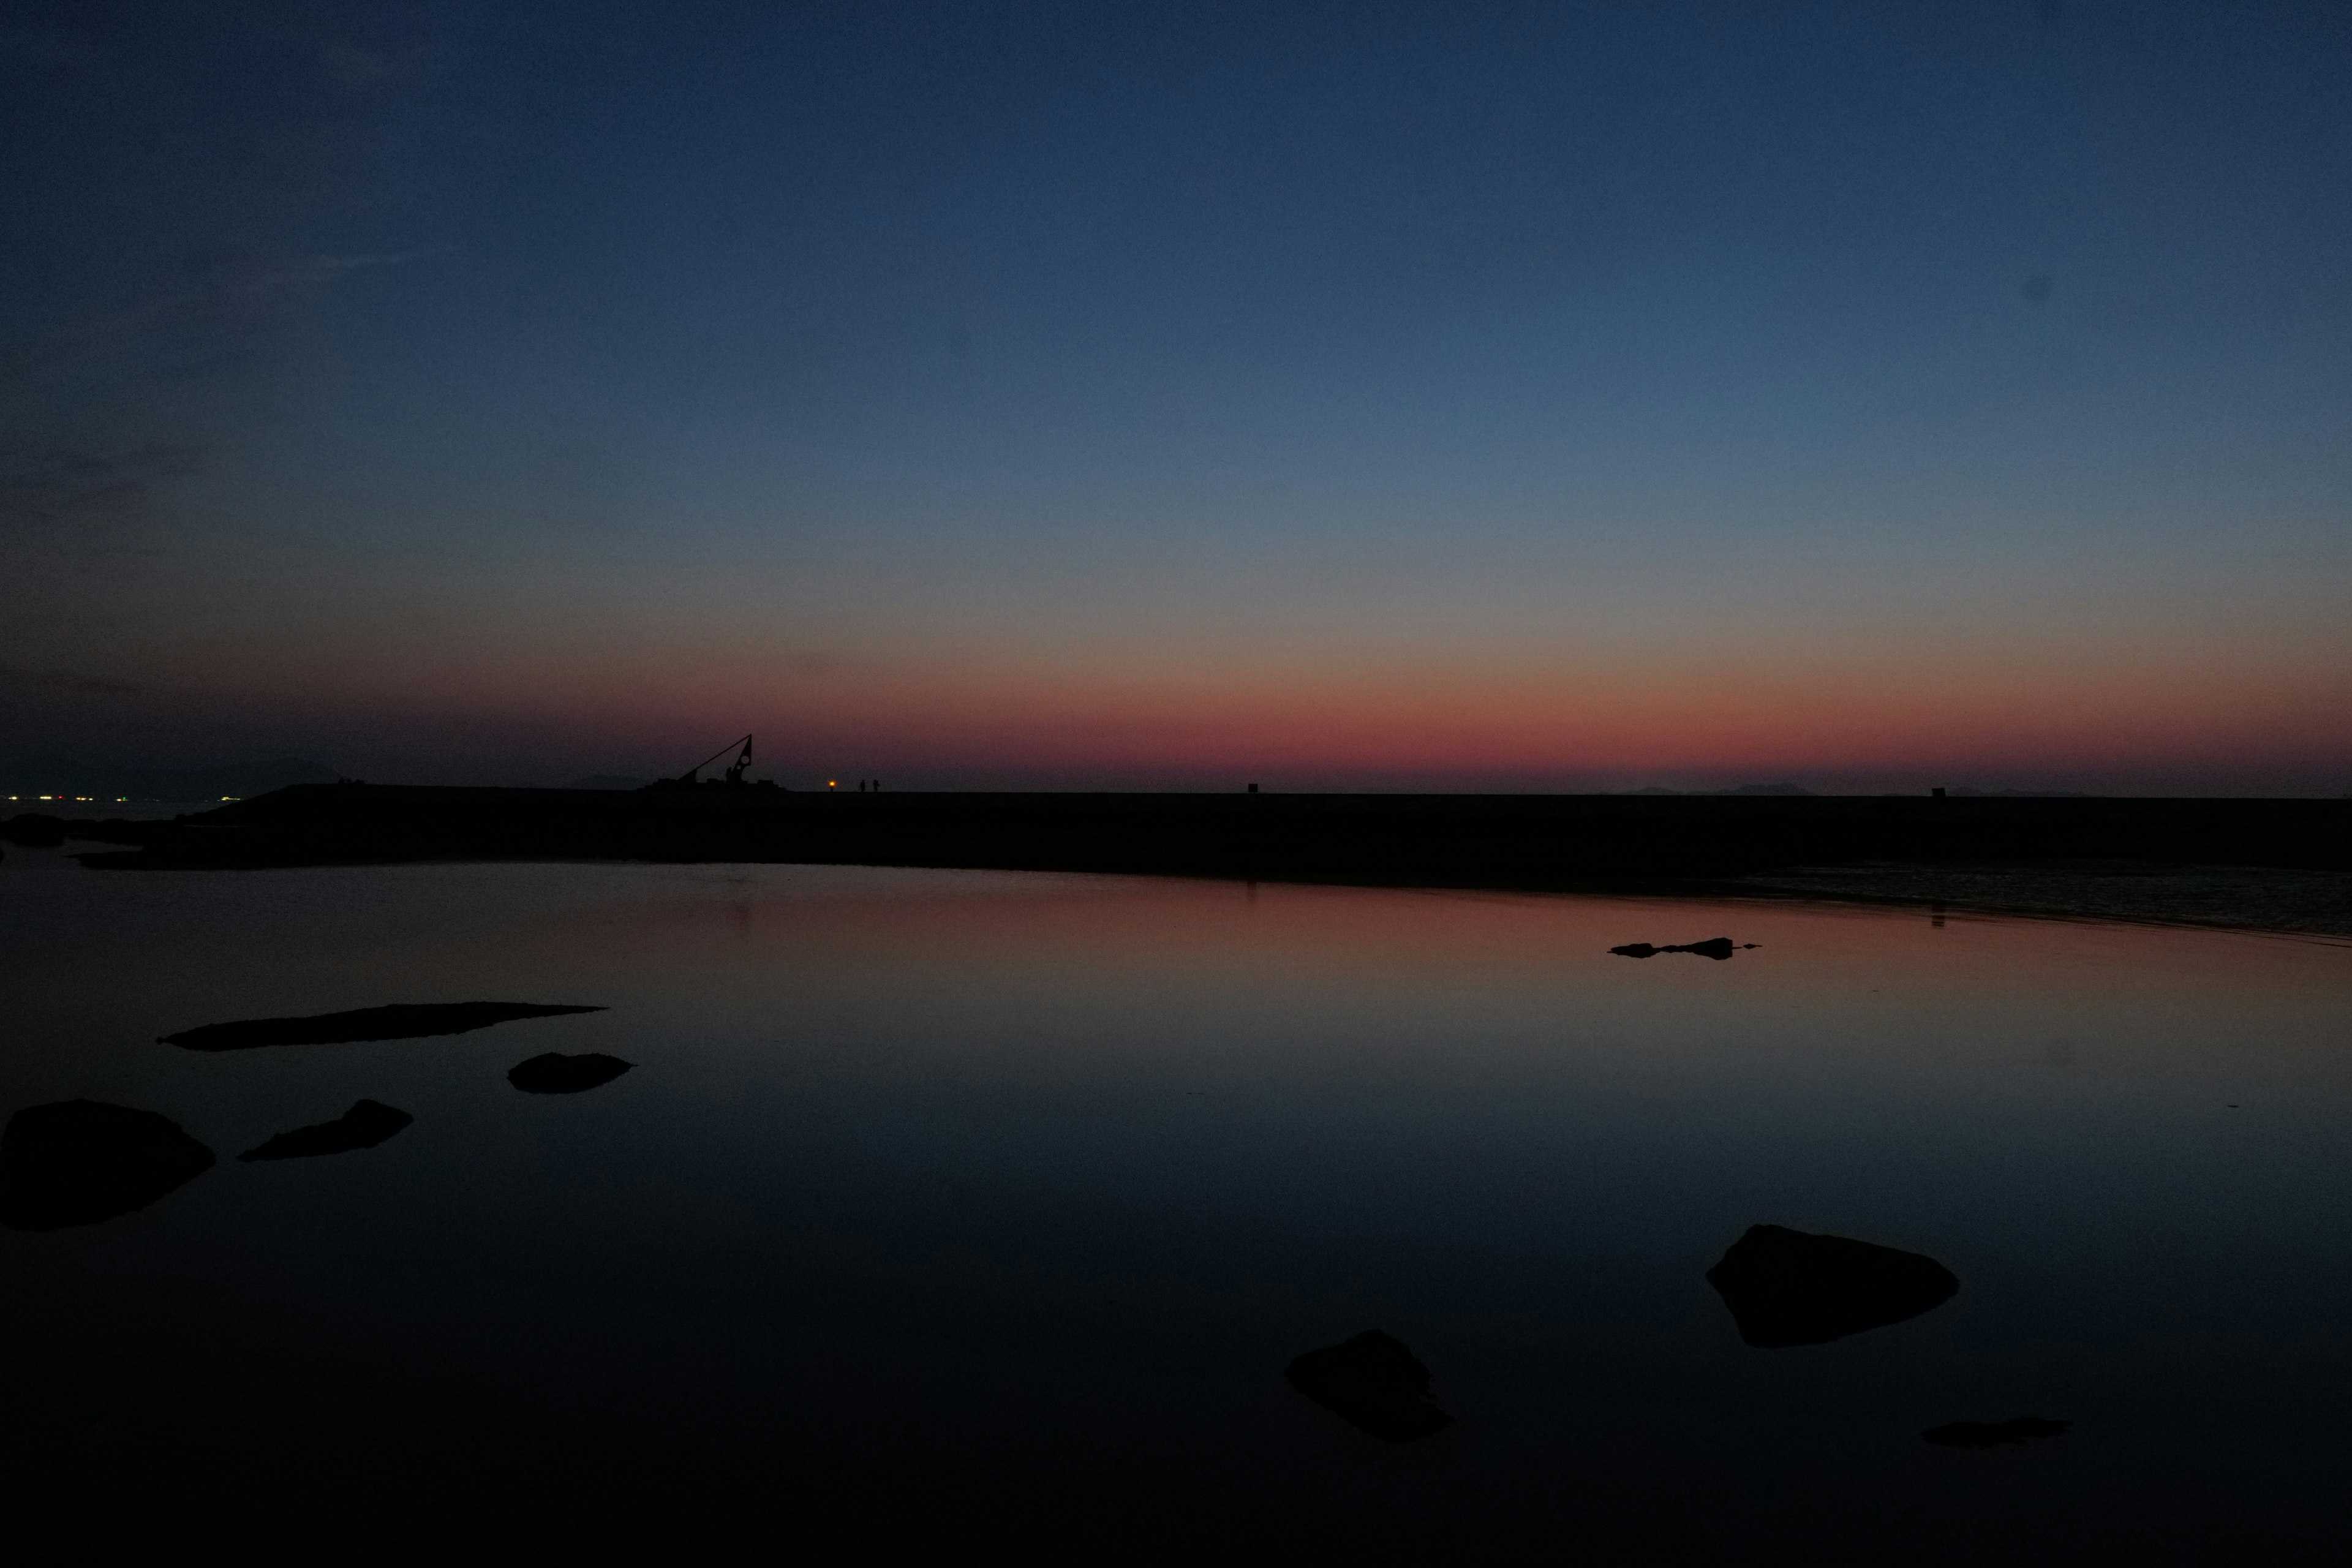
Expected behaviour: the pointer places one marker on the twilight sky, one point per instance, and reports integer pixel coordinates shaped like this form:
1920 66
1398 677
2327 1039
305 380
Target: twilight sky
1352 396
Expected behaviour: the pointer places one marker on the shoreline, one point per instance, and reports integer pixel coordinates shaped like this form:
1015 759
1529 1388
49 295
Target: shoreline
2278 866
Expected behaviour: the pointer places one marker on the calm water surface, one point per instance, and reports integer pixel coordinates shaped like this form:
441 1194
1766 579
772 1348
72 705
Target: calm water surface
985 1206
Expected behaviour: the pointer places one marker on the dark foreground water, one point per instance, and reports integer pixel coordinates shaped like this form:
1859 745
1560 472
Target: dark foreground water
988 1208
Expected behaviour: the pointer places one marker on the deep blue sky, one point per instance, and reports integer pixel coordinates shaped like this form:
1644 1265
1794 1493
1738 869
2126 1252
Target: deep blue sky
1355 395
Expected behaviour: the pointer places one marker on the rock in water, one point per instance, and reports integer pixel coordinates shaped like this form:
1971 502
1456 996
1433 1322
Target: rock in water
1715 947
1374 1381
363 1126
555 1073
35 830
79 1162
2017 1429
401 1021
1790 1288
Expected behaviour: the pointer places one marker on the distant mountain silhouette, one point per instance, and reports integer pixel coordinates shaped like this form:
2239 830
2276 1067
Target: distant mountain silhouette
1966 792
238 779
1963 790
1735 789
107 781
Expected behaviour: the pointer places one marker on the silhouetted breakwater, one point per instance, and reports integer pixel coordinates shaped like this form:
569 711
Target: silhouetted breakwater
1531 841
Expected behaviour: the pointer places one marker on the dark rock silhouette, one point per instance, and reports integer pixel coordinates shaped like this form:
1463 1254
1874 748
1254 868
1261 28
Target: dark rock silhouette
363 1126
2017 1429
402 1021
1717 947
79 1162
39 830
555 1073
34 831
1372 1382
1791 1287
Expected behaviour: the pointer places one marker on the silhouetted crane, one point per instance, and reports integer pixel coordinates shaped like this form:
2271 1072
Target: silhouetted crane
690 778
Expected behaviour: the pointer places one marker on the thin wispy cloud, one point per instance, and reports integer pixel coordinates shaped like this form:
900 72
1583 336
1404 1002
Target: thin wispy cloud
220 298
98 456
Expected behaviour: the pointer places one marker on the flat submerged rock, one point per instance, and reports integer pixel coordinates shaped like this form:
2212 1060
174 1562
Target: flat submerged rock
1373 1382
81 1161
2015 1431
1793 1288
400 1021
555 1073
363 1126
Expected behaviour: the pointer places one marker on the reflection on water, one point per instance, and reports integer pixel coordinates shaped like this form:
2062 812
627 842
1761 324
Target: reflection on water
1714 947
980 1206
399 1021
